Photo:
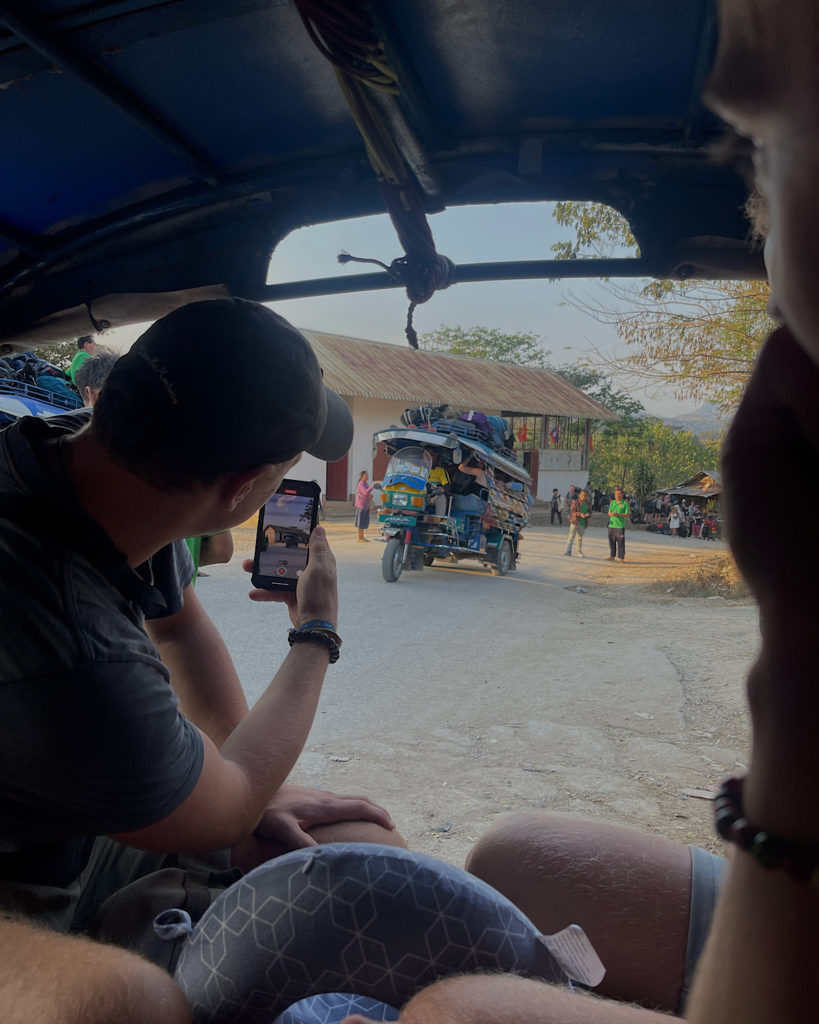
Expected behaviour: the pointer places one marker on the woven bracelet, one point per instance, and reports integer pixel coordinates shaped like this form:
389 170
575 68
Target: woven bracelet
317 634
800 861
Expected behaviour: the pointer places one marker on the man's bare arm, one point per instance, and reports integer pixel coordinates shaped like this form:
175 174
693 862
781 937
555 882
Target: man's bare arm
239 779
760 961
217 548
202 671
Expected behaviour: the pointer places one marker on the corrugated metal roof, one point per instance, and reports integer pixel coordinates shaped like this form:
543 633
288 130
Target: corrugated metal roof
704 484
372 369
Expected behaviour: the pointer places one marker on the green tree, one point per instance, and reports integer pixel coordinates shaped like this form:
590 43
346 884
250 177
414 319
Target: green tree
647 454
60 354
699 338
598 386
599 231
522 349
644 482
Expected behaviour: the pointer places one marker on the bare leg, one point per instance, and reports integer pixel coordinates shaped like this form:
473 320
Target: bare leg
629 891
253 851
50 978
507 999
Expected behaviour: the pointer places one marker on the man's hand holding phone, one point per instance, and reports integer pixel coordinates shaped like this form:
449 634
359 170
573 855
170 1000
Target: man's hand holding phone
316 595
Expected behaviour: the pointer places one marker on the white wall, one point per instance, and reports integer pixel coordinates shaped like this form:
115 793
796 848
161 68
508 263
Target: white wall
556 468
310 468
369 415
559 469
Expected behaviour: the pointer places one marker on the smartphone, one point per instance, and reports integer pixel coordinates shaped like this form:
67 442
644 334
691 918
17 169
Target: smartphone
286 521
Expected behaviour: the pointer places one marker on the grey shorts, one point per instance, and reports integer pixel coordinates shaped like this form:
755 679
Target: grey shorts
119 893
707 875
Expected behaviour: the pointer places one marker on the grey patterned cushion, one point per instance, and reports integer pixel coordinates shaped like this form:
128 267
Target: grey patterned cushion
377 921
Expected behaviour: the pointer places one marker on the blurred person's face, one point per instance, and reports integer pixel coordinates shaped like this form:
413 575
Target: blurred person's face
765 83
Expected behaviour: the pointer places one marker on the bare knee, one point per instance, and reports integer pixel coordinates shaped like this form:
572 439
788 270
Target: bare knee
255 850
357 832
63 979
514 838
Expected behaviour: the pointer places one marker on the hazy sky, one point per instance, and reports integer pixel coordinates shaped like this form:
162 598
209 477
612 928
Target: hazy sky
467 235
285 511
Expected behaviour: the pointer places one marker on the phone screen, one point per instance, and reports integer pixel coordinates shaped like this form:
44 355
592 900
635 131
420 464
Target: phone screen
286 521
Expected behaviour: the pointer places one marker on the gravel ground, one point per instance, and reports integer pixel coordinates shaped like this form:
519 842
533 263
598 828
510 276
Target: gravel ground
582 686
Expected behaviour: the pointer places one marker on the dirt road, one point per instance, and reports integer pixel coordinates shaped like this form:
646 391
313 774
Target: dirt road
461 695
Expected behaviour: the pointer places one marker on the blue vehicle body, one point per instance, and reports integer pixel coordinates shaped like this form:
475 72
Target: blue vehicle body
18 398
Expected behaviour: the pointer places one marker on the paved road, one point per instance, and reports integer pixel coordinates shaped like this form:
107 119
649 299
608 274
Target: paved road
460 694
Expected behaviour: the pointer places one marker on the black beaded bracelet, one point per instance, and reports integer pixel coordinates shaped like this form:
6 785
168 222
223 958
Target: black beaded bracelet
319 635
800 861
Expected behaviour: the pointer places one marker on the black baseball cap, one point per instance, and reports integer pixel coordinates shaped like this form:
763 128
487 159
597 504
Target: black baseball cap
230 381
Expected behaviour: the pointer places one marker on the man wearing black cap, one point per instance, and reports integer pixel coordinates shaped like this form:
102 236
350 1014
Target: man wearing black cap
122 714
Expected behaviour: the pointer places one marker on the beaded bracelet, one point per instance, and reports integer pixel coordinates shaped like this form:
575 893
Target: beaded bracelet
800 861
317 634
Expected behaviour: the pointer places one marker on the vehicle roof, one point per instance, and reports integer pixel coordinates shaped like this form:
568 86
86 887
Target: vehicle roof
163 146
429 439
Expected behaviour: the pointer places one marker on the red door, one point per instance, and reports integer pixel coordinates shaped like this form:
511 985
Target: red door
534 464
336 489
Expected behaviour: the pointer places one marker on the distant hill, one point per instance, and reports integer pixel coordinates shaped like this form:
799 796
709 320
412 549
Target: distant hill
704 422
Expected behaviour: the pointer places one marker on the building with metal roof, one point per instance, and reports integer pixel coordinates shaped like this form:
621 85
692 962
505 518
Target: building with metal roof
371 369
551 419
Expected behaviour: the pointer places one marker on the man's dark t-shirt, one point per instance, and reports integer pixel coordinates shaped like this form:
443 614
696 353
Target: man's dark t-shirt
92 741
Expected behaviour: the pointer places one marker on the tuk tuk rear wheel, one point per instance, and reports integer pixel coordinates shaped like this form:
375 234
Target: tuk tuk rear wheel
504 559
417 559
392 561
428 558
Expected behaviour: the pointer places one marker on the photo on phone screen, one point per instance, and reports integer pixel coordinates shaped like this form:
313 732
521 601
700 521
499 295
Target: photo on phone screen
286 521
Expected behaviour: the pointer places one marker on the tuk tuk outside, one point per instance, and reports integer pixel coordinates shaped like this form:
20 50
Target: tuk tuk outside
485 526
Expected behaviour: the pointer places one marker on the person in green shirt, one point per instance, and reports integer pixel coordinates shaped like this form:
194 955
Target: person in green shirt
209 549
86 347
618 510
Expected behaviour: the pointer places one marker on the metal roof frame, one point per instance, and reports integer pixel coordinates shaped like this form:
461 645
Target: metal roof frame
162 146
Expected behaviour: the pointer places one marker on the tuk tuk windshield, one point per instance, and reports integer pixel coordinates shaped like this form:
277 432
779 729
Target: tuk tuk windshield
408 468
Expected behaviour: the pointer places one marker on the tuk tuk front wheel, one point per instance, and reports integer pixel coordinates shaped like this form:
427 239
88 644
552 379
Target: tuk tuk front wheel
392 561
503 562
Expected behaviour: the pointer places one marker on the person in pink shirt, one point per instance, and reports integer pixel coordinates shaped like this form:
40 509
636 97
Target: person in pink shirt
362 504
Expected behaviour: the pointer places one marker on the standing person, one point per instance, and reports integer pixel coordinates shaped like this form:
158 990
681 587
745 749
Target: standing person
571 495
618 510
363 492
556 509
86 348
674 520
578 521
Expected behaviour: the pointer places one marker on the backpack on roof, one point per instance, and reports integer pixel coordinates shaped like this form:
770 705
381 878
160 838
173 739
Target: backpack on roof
422 414
478 420
500 431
